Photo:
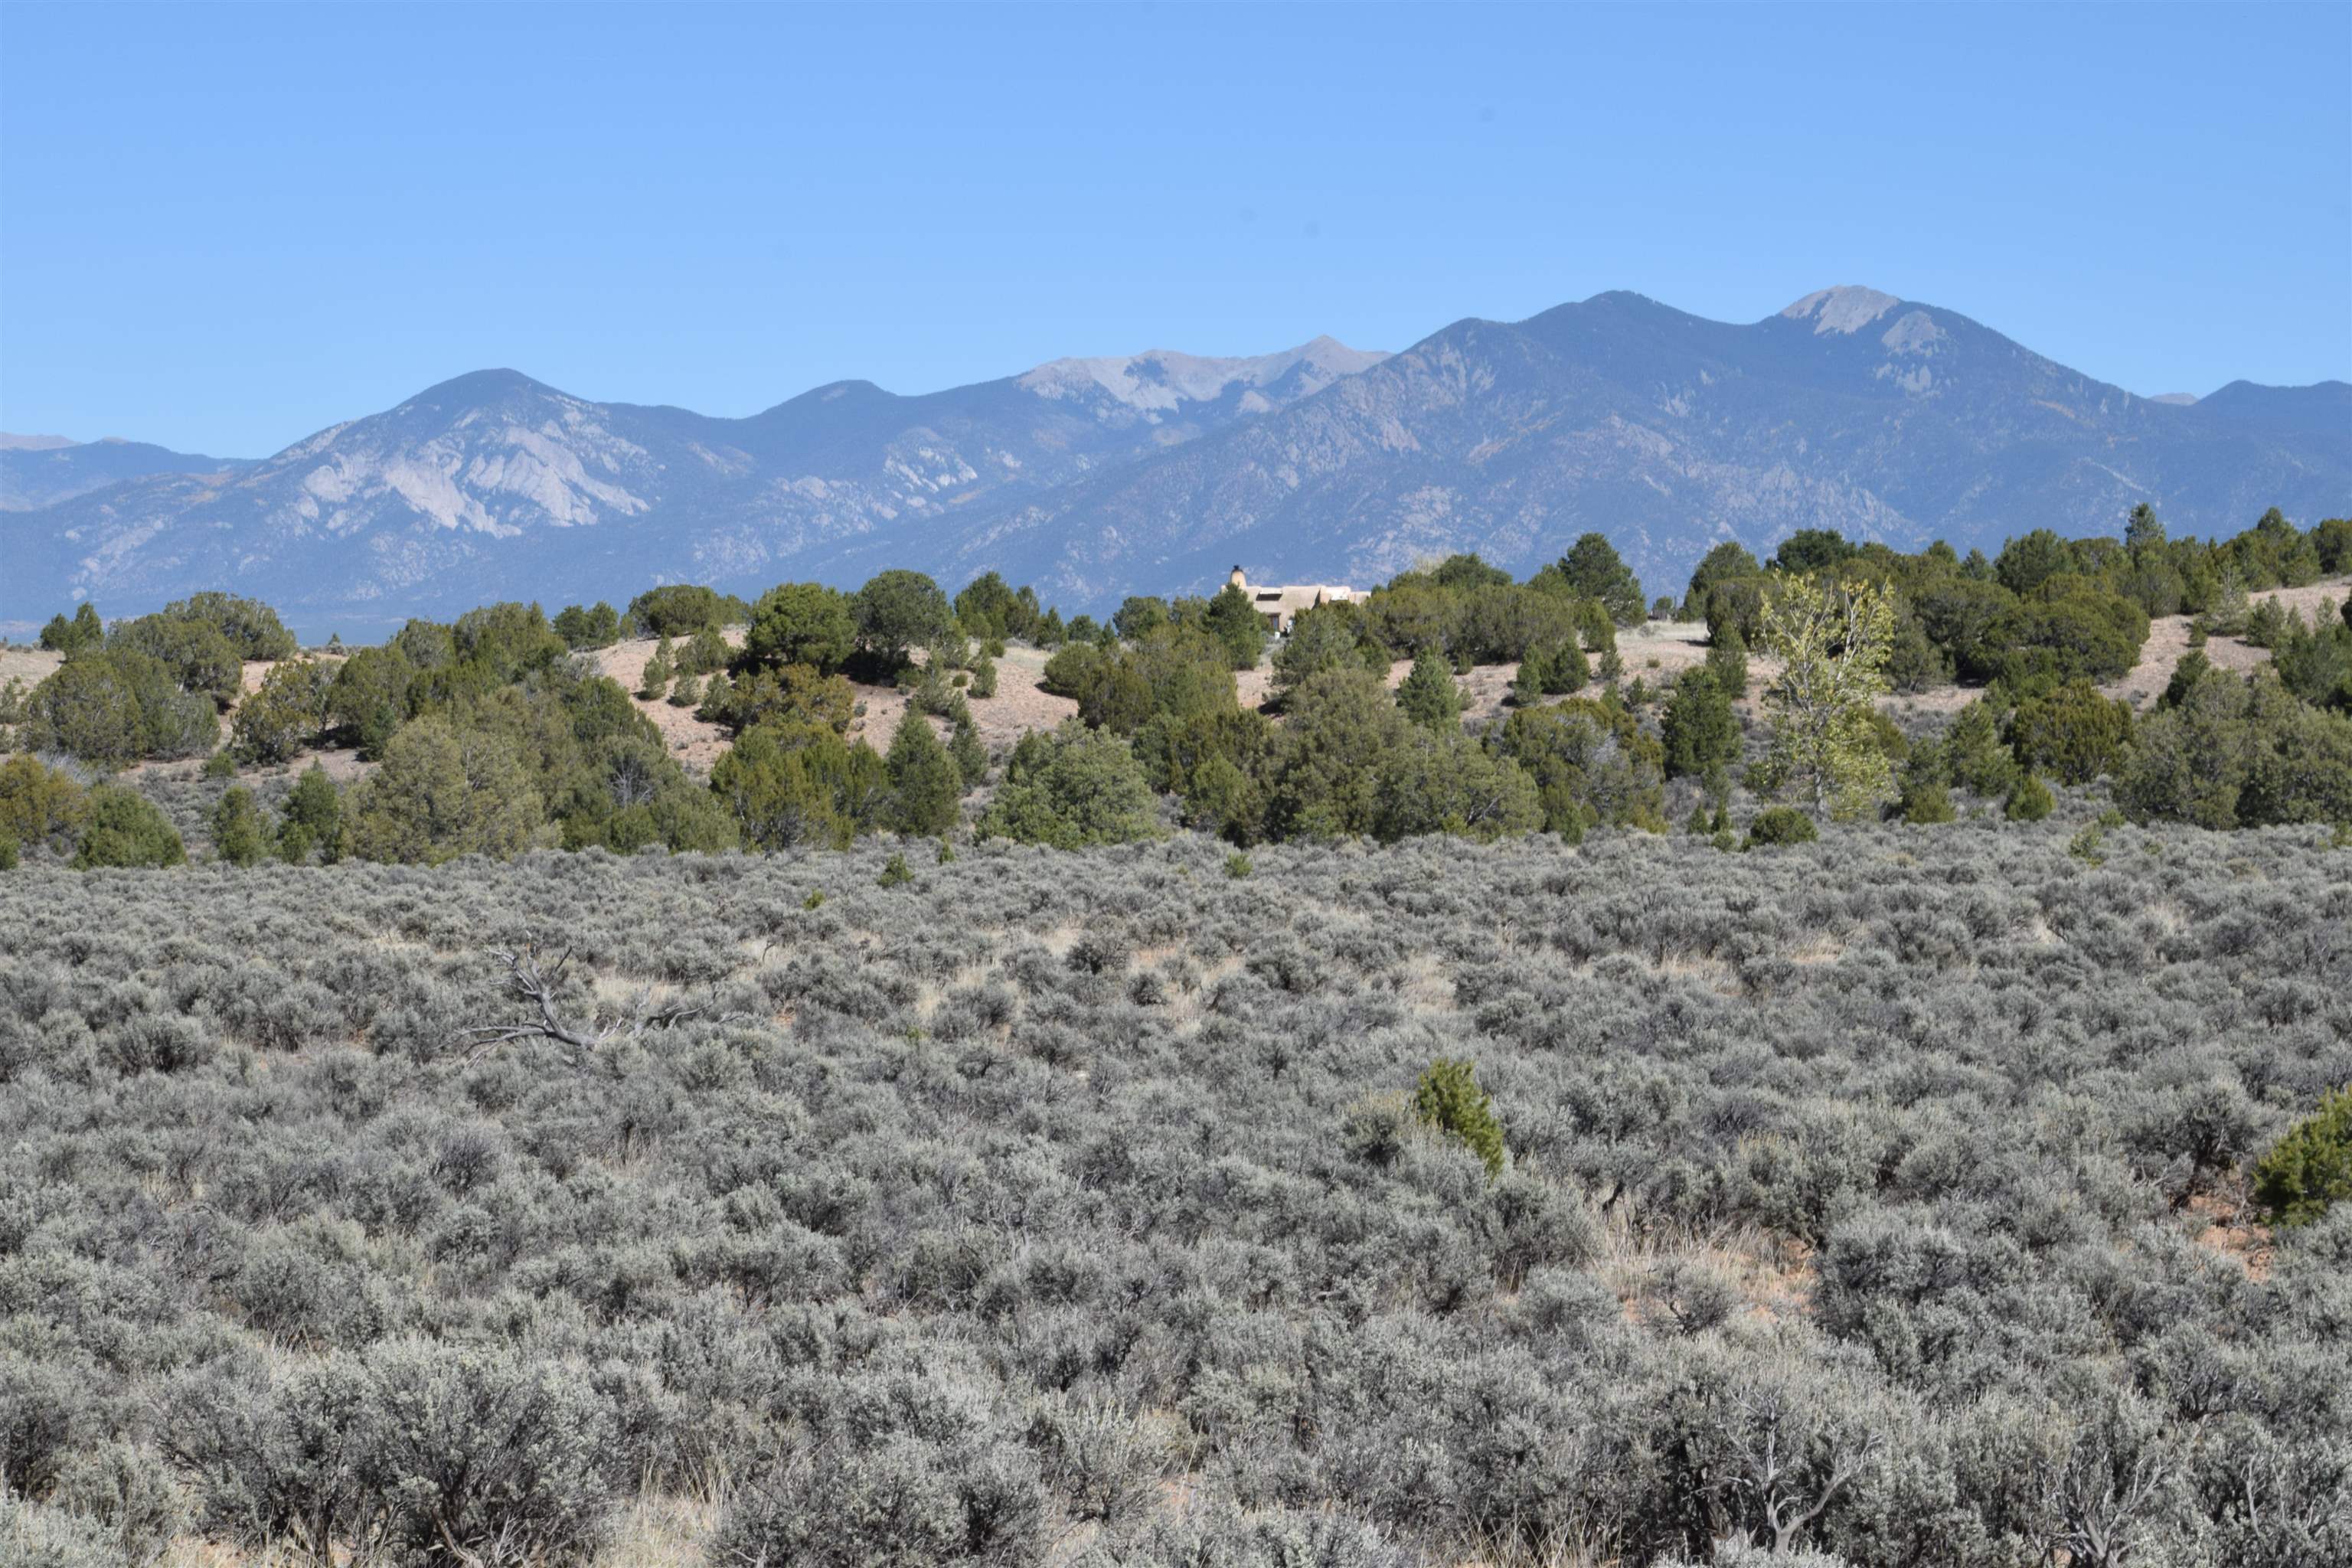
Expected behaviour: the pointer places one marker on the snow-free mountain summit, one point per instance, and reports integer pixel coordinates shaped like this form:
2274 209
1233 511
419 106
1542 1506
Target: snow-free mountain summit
1095 478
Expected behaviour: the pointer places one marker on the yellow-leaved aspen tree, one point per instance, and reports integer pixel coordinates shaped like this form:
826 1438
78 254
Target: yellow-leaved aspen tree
1832 641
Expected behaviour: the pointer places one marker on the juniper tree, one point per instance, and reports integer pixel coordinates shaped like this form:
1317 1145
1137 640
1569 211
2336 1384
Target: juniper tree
2030 801
445 790
1726 660
2309 1170
369 696
659 672
964 746
1430 696
286 715
240 835
120 829
38 804
898 611
84 632
1079 787
592 628
1595 570
925 784
312 820
1699 729
1235 622
800 623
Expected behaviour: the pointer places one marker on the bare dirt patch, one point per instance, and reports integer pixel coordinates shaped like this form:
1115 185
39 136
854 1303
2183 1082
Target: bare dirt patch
30 665
696 745
1019 706
1655 651
2167 639
2223 1224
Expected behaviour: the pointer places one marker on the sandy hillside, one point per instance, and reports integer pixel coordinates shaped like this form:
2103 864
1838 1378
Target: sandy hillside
2167 639
695 744
1017 707
1655 652
29 664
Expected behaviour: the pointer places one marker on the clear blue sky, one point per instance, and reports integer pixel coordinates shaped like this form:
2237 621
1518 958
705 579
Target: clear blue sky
221 227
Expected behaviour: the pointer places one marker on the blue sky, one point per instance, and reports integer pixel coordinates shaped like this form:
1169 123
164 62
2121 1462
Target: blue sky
224 228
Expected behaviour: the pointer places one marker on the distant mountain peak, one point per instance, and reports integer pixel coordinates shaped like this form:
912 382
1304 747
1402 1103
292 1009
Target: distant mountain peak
2178 399
1846 309
483 386
1160 381
10 443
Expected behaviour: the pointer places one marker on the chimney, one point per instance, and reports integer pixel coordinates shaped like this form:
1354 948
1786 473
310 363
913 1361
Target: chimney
1238 581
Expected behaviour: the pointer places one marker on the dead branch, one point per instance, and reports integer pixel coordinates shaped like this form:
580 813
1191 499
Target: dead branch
528 981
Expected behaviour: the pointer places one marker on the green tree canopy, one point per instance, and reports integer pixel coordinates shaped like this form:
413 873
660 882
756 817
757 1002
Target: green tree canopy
1430 696
1327 637
599 625
2071 734
2239 754
988 607
1234 621
1327 762
120 829
250 626
926 785
900 610
794 783
240 833
1699 729
443 790
629 793
2144 532
1809 551
1079 787
680 610
286 715
1448 1099
198 657
800 623
1593 570
792 694
84 632
1464 572
1435 781
89 709
1138 616
38 804
1591 763
313 821
368 698
1727 560
2309 1170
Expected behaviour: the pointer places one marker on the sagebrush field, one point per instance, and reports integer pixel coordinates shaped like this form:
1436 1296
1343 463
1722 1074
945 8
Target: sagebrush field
1881 1198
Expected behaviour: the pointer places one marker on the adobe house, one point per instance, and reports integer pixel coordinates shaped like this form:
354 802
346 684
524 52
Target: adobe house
1280 606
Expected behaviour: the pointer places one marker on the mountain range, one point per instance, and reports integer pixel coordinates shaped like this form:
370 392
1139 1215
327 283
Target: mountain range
1097 477
37 471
